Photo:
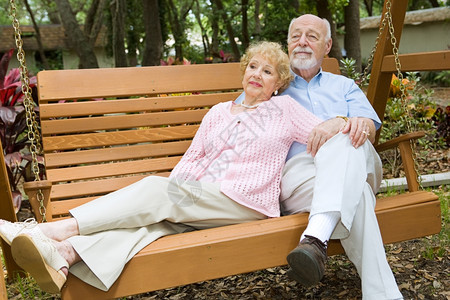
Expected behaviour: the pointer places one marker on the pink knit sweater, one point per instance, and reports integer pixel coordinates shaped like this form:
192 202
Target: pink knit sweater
246 152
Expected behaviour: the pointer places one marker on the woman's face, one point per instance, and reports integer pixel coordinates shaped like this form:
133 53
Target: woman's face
261 78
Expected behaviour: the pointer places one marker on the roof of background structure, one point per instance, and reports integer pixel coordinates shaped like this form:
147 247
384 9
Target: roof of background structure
53 38
415 17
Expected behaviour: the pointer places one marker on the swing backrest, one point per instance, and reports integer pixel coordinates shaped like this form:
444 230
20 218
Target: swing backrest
103 129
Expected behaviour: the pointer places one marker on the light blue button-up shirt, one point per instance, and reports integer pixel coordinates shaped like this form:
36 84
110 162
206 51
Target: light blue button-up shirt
328 95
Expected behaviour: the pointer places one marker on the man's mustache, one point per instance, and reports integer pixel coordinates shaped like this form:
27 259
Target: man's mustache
303 49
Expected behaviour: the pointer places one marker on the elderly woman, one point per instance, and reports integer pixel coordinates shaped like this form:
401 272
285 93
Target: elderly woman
230 174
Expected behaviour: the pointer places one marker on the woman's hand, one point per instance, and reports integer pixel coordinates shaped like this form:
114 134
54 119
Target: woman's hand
322 133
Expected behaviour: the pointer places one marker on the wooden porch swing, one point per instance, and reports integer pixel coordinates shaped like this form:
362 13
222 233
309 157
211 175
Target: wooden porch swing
144 125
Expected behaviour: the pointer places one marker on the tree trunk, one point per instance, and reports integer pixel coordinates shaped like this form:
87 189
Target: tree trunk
94 21
245 35
52 14
352 37
229 28
215 32
296 5
257 31
324 12
435 3
369 7
205 40
176 19
153 36
76 38
38 37
176 30
118 22
132 31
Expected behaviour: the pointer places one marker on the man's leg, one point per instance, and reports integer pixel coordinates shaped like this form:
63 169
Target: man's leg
364 247
342 176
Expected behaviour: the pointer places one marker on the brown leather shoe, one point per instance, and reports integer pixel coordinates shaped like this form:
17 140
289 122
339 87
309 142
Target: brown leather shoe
307 261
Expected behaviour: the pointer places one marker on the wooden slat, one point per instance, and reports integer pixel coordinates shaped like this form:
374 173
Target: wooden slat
63 207
410 222
218 252
422 61
61 159
76 109
406 199
112 169
331 65
104 139
53 85
121 121
95 187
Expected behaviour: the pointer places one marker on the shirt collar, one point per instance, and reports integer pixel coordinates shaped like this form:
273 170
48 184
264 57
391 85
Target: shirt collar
316 80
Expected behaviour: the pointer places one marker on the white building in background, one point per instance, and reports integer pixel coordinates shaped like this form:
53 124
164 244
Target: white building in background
423 30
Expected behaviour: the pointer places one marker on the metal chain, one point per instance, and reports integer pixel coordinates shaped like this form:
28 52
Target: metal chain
32 125
403 98
387 20
366 72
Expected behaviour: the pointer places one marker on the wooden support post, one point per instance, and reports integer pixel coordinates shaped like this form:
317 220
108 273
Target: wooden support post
7 213
378 90
3 293
32 188
409 166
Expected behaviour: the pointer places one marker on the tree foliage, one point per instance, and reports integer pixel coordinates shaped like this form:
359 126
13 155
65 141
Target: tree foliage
197 30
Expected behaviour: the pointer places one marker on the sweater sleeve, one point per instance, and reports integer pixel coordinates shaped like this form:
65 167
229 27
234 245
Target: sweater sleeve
188 167
302 120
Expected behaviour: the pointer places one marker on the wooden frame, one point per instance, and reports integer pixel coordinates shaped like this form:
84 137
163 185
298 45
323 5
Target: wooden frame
138 125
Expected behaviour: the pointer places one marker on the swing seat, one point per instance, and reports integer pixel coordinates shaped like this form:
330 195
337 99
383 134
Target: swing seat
103 129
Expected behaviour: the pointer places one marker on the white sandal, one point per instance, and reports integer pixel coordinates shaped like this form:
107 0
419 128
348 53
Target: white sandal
8 230
40 258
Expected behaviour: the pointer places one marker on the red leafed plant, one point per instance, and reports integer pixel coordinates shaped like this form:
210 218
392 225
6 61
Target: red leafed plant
13 127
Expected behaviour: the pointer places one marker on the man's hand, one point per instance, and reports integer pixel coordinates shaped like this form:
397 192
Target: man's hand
359 130
322 133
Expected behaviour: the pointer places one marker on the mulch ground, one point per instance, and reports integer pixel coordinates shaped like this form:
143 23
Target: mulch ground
418 277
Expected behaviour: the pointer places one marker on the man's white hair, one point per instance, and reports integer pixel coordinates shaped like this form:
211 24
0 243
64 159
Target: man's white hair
325 21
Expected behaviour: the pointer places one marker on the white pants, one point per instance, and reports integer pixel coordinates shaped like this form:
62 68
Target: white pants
344 179
113 228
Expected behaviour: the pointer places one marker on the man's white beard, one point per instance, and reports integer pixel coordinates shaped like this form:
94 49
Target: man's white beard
303 63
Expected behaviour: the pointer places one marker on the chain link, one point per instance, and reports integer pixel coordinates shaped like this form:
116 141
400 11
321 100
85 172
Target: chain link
366 72
32 125
387 20
403 97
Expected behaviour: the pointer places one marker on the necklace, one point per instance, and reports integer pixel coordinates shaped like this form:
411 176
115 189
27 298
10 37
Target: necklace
250 106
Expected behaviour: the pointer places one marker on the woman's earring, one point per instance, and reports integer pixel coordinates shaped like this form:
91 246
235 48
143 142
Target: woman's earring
276 92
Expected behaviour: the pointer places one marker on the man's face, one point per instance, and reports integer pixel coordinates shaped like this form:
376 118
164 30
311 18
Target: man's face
308 43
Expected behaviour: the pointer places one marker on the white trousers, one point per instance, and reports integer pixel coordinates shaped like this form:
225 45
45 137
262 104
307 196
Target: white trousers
344 179
115 227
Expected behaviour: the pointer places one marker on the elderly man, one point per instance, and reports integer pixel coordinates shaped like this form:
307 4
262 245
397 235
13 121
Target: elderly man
337 184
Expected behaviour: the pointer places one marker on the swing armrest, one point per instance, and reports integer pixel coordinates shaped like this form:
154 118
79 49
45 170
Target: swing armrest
31 189
395 142
404 144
